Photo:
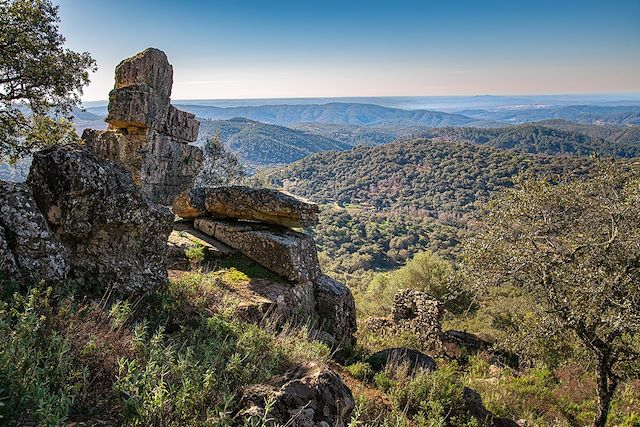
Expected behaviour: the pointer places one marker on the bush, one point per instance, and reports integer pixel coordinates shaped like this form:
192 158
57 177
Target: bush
360 370
38 379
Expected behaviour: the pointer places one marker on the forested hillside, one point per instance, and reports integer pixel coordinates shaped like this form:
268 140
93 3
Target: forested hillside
258 143
562 138
384 204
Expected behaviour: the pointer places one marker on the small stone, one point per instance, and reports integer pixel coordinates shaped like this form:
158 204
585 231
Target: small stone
398 357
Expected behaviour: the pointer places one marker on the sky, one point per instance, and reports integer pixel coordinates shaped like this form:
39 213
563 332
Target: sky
275 49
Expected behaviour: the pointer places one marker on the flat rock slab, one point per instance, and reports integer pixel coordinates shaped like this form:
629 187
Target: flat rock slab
285 252
261 204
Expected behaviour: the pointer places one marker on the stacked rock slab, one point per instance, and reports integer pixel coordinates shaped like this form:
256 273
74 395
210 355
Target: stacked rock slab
147 135
256 222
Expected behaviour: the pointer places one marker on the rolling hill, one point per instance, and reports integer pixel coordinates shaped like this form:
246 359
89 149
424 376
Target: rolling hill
261 144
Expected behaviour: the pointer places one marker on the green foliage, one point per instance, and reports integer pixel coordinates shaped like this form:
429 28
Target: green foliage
360 370
432 398
574 248
260 144
39 378
195 254
38 78
425 272
220 166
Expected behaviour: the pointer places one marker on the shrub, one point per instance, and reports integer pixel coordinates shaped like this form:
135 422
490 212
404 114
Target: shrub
38 379
360 370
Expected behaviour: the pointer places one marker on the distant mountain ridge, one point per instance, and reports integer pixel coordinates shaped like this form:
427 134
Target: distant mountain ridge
332 113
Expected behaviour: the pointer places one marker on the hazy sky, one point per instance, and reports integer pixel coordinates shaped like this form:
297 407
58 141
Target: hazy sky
261 49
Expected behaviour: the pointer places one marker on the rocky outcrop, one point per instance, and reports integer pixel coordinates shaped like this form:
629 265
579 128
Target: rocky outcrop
146 135
395 358
288 253
29 251
277 303
336 310
190 204
111 234
309 395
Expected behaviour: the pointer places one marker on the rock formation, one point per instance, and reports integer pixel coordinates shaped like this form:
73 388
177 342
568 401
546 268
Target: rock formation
147 135
308 395
111 234
291 254
29 251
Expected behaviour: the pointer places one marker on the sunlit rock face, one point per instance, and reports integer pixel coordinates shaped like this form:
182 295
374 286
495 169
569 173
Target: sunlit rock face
147 135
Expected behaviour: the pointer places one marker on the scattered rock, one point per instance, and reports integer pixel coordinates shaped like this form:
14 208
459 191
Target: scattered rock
336 309
398 357
287 253
261 204
28 248
309 395
112 235
413 311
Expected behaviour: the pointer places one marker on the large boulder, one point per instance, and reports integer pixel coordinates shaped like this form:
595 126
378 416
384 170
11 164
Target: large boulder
400 357
276 302
28 248
288 253
309 395
113 237
336 309
261 204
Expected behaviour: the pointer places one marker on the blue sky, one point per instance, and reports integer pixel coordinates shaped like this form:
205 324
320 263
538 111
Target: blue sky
261 49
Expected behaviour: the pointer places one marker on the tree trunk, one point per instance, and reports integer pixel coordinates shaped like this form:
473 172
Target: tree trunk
606 387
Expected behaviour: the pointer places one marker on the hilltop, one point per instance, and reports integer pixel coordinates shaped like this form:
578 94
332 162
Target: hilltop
257 143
